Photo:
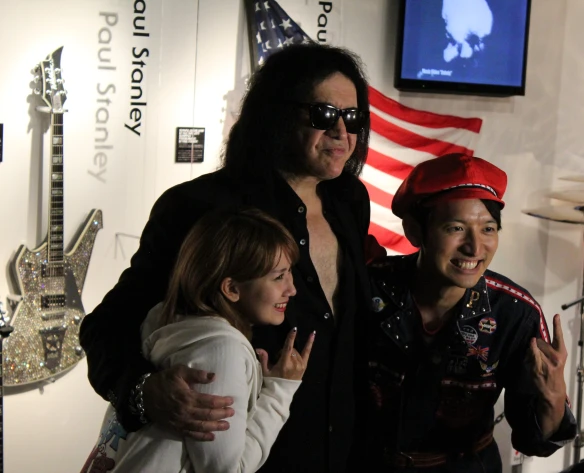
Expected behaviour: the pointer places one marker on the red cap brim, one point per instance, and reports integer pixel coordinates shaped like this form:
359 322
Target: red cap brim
461 194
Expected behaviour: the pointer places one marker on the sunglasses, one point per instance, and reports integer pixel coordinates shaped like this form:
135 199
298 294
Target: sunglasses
324 117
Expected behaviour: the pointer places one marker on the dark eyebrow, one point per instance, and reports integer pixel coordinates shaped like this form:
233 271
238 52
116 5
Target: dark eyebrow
459 220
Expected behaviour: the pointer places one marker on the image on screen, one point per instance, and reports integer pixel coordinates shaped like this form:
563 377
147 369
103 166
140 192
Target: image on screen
466 41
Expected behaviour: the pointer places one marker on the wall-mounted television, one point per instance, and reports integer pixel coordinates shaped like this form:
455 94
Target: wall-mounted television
474 47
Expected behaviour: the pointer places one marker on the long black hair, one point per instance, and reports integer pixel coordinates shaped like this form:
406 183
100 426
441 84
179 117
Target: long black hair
260 141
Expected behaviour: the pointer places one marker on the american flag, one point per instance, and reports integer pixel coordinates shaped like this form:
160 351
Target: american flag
270 29
401 137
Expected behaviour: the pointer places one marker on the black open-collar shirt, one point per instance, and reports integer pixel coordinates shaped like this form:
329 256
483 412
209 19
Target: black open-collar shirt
320 431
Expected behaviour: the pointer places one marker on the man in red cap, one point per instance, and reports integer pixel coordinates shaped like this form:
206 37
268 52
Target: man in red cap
448 335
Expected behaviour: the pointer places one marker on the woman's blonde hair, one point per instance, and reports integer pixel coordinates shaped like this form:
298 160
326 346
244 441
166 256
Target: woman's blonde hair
239 244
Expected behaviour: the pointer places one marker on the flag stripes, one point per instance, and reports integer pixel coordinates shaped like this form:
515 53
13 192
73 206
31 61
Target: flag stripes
401 138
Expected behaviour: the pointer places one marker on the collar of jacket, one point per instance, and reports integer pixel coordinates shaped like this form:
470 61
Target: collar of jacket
400 325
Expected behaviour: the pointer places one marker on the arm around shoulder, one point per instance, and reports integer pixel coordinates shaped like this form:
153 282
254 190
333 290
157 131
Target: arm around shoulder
110 335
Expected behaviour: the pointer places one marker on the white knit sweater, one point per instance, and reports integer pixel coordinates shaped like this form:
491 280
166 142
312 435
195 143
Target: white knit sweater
261 408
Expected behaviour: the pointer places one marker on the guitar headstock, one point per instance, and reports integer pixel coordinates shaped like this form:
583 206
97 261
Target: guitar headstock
48 73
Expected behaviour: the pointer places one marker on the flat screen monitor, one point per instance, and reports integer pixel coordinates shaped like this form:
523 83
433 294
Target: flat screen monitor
475 47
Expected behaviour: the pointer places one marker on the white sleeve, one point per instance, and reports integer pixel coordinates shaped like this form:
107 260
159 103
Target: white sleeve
246 445
264 425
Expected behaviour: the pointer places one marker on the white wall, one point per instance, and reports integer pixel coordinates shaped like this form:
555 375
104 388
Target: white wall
194 76
185 80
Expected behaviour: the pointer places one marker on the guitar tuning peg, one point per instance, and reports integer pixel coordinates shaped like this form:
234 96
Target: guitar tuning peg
59 81
47 69
49 92
37 91
36 79
57 70
36 69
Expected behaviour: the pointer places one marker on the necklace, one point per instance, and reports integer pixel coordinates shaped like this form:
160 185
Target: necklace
425 329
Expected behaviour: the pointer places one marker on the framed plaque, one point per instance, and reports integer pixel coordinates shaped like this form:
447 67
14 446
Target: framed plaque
190 145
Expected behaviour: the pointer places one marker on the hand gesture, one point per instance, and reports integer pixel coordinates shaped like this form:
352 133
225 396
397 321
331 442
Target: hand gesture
170 401
547 368
291 364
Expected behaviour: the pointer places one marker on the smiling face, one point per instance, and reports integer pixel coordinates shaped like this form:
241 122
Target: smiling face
325 152
263 300
460 242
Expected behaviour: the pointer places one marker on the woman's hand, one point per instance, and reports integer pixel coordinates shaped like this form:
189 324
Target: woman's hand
291 364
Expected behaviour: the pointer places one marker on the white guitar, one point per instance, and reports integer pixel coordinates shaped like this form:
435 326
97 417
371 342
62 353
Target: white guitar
49 279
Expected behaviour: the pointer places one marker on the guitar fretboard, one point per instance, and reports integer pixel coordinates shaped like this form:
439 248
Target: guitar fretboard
55 233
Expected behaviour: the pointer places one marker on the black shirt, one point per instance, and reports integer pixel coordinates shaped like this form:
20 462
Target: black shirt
319 432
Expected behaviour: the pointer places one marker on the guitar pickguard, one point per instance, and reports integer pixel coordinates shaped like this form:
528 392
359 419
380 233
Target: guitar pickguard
46 321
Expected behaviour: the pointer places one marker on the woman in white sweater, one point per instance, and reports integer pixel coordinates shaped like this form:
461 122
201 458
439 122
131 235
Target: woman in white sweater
233 271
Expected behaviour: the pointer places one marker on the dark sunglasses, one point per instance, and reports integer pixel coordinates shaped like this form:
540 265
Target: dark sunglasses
324 117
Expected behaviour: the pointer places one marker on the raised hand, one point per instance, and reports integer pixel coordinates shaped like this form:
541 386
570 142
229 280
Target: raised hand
291 364
547 368
170 401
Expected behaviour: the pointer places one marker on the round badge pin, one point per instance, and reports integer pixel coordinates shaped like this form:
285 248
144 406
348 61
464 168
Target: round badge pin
378 304
469 334
487 325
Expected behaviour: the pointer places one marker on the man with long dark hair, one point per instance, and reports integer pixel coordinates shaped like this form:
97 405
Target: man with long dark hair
295 152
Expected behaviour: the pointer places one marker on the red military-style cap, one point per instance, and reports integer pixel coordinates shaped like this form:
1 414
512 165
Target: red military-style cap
449 177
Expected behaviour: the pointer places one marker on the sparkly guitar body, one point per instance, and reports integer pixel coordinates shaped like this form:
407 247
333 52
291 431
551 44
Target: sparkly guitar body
46 320
47 316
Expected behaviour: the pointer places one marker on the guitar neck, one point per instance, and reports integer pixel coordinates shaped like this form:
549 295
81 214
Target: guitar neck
56 214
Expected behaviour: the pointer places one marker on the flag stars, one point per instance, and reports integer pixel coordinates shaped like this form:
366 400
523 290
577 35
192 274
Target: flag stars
286 24
263 25
257 5
268 45
267 5
259 37
288 41
273 25
280 45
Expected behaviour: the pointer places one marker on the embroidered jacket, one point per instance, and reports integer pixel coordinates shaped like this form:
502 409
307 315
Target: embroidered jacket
439 396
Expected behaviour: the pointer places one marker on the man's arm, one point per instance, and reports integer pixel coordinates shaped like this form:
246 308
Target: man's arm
110 335
547 363
536 402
